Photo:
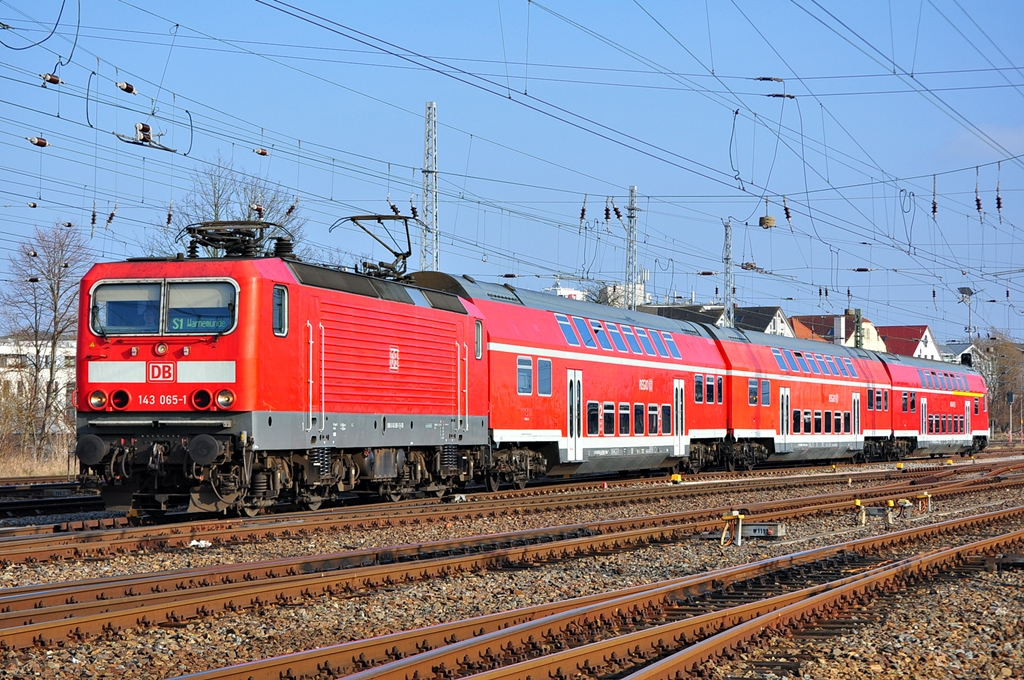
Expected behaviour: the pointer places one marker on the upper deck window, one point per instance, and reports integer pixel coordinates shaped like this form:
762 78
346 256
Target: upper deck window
567 331
645 341
200 308
585 336
791 361
849 365
126 308
830 361
602 337
777 353
659 344
671 343
631 339
617 340
803 362
823 364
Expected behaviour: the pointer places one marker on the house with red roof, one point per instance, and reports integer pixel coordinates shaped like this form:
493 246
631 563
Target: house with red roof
911 341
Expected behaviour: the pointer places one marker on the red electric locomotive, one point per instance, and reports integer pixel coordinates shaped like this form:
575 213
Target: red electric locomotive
239 382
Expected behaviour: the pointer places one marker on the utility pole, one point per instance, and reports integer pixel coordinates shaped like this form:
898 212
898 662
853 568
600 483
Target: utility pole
631 266
729 319
429 243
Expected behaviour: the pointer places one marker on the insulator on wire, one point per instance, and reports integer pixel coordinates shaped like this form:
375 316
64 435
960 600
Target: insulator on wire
583 210
292 207
258 208
977 198
32 253
261 152
127 87
51 79
618 213
33 204
170 212
110 218
412 209
38 141
67 225
607 213
788 212
935 199
394 208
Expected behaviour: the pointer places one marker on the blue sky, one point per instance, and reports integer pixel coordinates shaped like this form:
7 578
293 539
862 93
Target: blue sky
887 107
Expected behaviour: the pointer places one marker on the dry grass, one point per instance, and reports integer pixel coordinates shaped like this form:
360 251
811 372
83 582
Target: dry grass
23 465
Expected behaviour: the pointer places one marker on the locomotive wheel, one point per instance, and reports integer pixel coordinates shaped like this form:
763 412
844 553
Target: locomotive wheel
250 511
393 496
310 504
520 484
492 482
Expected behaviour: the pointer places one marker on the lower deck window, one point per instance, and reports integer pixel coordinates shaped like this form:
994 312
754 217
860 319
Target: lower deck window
623 420
828 422
652 419
638 419
666 419
609 418
593 417
524 375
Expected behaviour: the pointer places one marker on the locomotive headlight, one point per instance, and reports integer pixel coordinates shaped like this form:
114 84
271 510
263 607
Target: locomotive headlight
225 398
160 349
98 399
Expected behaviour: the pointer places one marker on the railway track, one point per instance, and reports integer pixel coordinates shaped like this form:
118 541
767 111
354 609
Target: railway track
664 630
50 614
56 542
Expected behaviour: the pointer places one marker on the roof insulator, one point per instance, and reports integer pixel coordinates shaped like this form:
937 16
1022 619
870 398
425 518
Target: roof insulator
127 87
38 141
261 152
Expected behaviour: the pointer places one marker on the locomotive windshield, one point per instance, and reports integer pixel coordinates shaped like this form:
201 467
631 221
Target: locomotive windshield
188 308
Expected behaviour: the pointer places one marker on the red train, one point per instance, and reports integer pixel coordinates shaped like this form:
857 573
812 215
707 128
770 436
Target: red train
239 382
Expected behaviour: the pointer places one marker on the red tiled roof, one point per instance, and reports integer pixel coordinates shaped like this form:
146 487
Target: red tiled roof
902 340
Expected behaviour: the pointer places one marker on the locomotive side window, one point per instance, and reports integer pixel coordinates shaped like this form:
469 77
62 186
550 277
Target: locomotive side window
913 402
885 400
709 389
698 391
904 402
544 377
593 417
617 340
585 336
202 307
280 311
720 391
609 419
871 399
524 375
479 337
624 420
975 406
766 393
752 392
638 419
126 308
567 331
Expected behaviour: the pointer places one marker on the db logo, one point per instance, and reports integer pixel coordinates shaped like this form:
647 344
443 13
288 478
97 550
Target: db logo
393 360
160 372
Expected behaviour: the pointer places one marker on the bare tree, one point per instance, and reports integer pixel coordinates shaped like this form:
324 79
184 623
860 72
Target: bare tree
1002 364
221 192
40 307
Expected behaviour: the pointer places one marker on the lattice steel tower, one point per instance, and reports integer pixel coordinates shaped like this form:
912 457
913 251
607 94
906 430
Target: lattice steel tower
429 247
632 275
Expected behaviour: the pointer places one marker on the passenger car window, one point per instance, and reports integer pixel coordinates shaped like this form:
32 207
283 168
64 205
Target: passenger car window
524 375
567 332
544 377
